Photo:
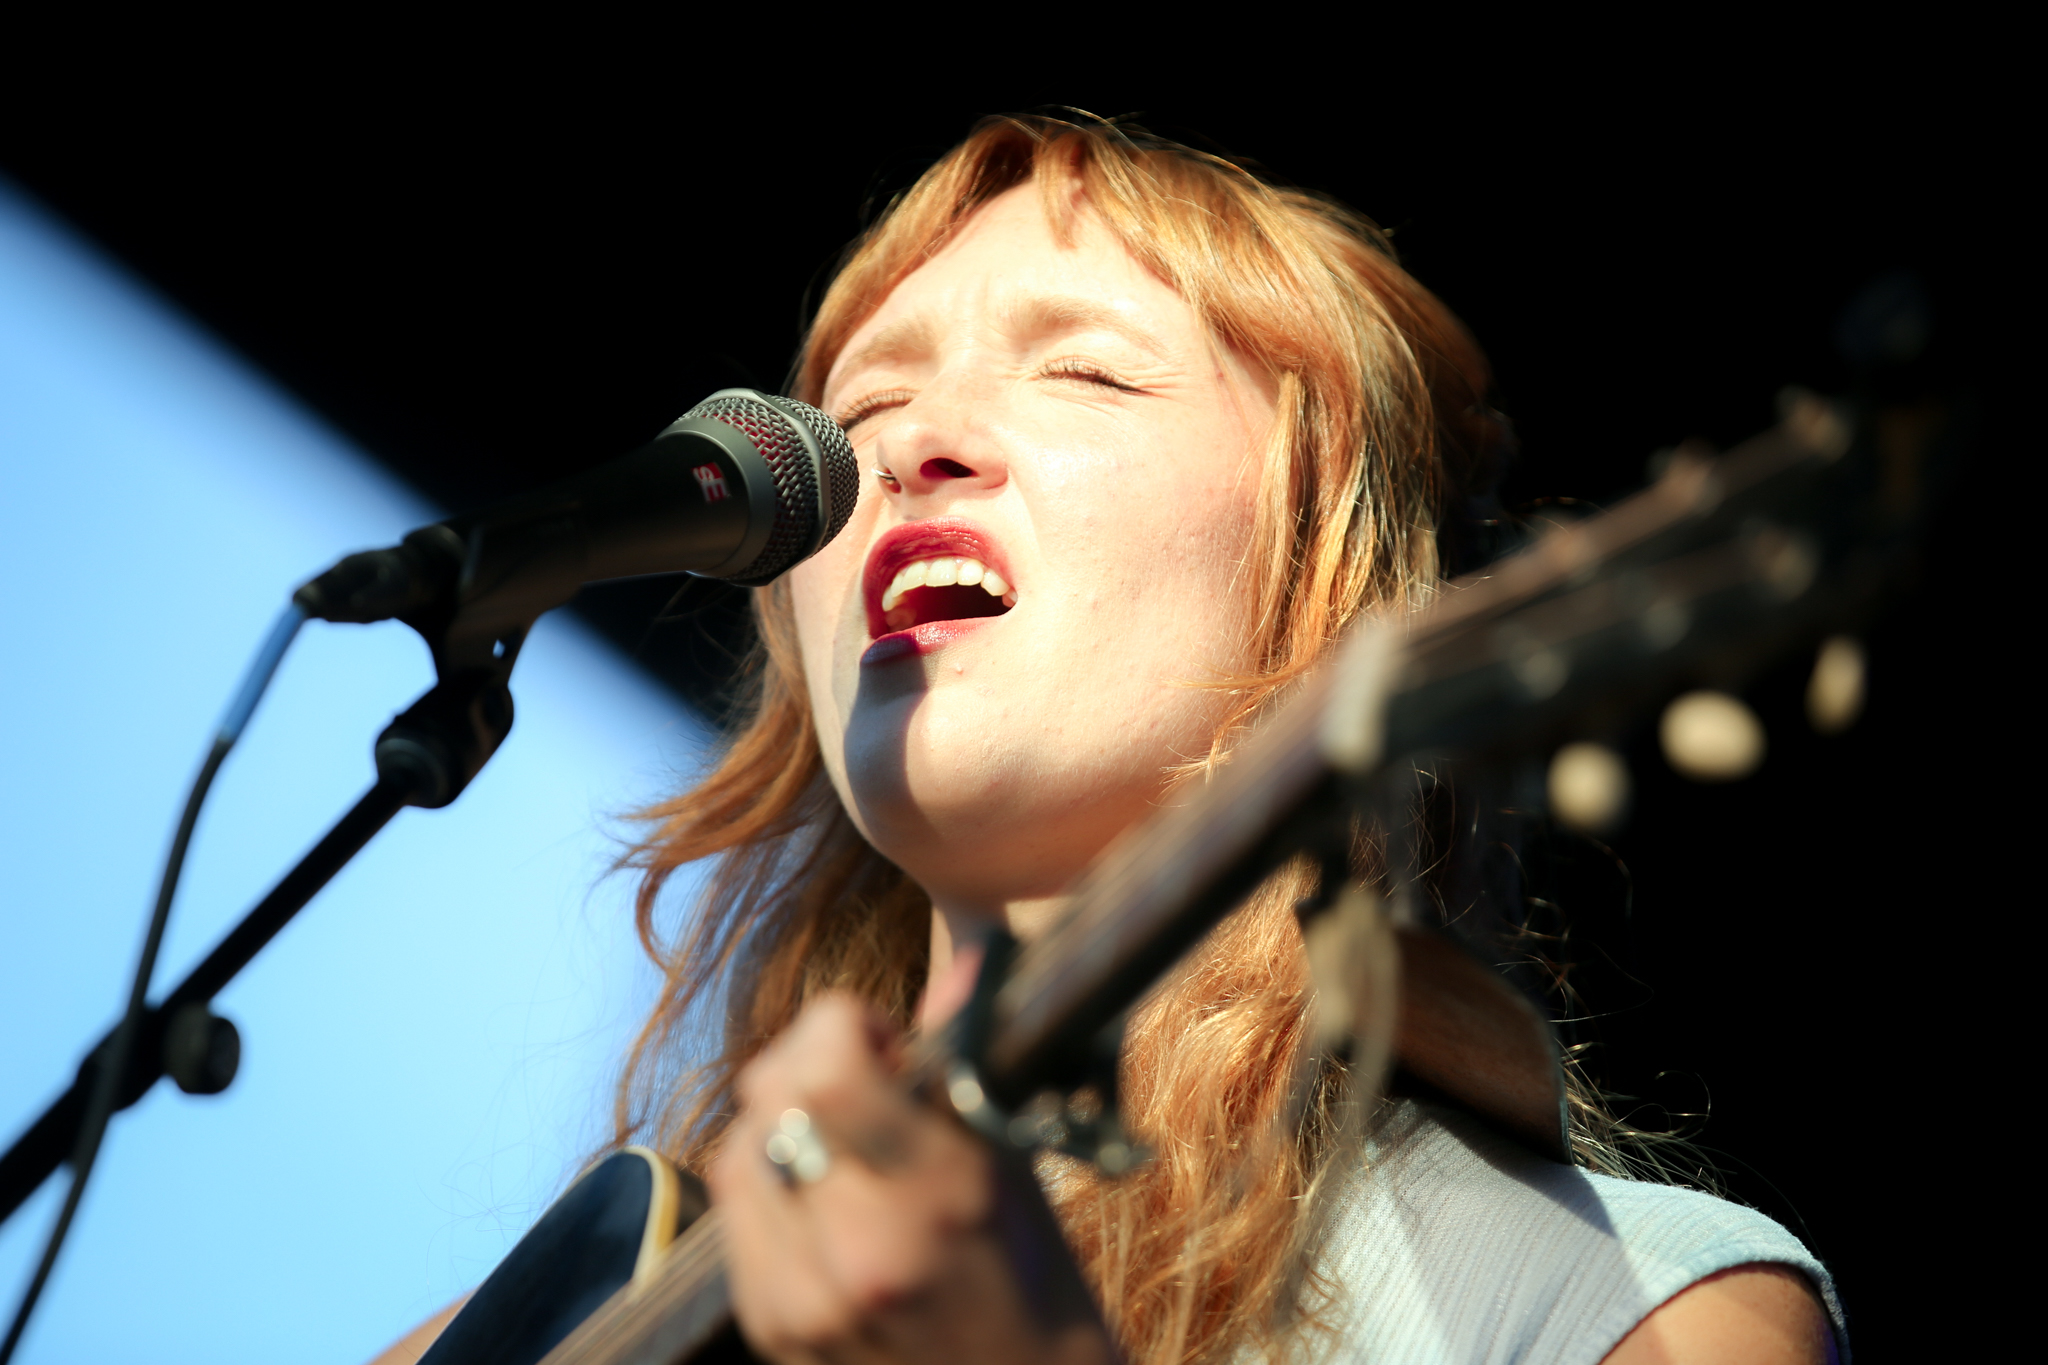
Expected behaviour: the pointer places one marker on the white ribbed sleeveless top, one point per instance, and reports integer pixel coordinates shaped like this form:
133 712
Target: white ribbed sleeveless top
1461 1247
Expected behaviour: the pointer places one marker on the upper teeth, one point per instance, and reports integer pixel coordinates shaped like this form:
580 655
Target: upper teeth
944 573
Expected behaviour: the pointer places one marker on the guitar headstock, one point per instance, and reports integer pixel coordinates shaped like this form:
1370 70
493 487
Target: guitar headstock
1719 566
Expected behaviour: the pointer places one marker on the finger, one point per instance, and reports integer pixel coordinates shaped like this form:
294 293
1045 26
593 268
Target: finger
832 1067
784 1296
901 1179
791 1305
790 1294
952 987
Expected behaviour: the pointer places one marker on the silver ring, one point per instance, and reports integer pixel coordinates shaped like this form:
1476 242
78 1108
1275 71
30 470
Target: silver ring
796 1150
886 477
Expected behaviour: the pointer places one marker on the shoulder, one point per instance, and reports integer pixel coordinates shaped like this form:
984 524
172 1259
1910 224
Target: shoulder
1455 1245
1762 1314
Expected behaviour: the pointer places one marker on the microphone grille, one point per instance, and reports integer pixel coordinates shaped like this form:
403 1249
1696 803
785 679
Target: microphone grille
817 479
842 483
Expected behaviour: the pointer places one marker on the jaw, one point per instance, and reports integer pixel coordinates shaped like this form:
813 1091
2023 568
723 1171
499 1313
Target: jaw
958 785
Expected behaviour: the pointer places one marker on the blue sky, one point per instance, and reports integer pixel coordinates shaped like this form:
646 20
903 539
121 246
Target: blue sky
427 1050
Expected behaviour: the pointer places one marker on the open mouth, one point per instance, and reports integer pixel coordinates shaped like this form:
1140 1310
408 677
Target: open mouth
948 588
928 573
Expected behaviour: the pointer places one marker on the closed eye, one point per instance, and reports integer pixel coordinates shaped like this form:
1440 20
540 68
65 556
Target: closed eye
1087 372
853 414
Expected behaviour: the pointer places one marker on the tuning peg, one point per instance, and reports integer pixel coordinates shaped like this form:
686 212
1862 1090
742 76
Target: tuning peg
1814 422
1589 787
1355 966
1834 694
1711 737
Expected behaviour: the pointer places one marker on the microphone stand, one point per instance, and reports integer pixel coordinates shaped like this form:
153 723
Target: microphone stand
426 757
472 587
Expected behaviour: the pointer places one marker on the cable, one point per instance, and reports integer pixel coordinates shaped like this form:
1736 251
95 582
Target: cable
111 1066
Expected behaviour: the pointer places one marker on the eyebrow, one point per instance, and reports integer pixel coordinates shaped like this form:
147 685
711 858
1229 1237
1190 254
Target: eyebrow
902 340
1033 314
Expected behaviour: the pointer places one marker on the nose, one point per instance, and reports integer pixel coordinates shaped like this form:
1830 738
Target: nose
939 445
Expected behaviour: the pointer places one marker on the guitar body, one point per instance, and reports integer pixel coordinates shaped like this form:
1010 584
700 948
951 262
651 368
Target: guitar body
609 1230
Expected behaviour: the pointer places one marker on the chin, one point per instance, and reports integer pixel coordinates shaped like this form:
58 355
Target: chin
989 830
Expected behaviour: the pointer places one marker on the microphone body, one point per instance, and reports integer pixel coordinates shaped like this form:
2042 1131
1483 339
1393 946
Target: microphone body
741 487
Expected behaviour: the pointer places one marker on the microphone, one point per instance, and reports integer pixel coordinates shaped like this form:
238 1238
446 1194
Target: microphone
741 487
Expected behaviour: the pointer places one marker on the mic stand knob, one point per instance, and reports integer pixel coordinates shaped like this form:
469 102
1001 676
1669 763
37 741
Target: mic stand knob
445 738
202 1051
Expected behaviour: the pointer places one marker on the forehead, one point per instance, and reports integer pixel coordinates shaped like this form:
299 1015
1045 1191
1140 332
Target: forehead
1006 272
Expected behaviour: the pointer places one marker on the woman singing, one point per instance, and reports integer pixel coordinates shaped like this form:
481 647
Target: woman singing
1145 434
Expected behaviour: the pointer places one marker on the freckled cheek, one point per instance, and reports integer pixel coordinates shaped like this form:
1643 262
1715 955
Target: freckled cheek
1080 479
814 624
825 585
1077 468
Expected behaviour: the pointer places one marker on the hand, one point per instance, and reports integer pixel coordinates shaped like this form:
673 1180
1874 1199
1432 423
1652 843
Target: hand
917 1243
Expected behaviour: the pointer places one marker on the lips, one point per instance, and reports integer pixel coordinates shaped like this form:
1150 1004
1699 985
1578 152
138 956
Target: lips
938 614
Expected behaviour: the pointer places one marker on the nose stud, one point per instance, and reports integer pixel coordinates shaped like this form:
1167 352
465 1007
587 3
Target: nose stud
889 480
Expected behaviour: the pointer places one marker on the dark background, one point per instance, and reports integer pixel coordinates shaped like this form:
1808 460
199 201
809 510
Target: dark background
493 278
